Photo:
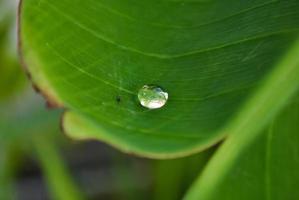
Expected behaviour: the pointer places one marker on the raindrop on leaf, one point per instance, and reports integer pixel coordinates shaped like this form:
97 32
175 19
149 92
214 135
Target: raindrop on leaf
152 97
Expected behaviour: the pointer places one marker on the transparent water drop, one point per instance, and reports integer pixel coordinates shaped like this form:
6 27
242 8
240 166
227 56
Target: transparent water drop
152 96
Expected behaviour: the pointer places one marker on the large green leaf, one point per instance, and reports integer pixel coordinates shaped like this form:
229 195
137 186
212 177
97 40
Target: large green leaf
93 56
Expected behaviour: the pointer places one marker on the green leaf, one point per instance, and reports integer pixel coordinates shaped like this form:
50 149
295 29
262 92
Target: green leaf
93 56
247 127
267 169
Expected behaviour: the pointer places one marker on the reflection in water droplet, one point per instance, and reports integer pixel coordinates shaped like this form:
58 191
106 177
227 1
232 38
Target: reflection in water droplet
152 97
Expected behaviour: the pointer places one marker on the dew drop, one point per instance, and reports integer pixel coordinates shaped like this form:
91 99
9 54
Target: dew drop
152 96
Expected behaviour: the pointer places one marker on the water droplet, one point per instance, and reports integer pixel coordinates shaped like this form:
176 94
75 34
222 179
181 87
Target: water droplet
152 97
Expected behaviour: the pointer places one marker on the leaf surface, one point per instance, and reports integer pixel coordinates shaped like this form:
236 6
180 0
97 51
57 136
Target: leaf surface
93 56
267 169
278 90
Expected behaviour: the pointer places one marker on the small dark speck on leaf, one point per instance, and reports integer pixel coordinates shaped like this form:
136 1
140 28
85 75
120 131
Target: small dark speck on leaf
118 99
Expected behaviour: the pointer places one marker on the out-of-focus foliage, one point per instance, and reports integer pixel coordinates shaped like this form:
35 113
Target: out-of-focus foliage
11 77
25 122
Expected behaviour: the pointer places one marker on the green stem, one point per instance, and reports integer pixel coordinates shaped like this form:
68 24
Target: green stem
169 175
56 174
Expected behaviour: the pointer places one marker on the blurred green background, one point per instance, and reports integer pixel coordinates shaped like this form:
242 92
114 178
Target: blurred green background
37 161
